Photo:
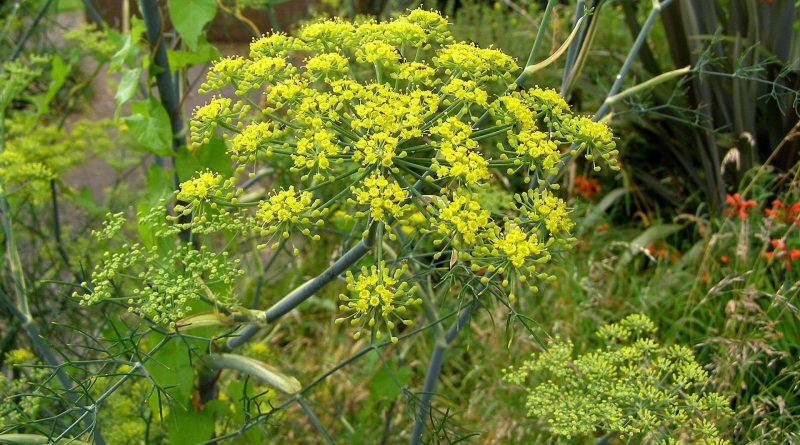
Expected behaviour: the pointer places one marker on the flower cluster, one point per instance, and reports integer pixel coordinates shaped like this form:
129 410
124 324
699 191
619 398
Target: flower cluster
288 210
782 213
377 300
35 154
774 231
381 122
646 392
737 206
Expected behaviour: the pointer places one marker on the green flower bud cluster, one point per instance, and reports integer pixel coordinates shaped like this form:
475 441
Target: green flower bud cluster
162 285
20 397
645 392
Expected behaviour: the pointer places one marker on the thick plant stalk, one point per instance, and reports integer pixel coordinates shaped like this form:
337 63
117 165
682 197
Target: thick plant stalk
626 66
167 89
435 369
306 290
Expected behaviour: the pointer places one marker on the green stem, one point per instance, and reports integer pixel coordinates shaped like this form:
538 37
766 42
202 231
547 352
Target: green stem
548 12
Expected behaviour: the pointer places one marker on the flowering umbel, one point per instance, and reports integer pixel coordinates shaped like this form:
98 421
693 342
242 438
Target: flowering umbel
645 392
379 122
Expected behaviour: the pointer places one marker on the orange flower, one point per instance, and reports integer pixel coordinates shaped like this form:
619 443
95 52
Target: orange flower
738 207
779 251
781 213
587 187
724 259
603 228
657 250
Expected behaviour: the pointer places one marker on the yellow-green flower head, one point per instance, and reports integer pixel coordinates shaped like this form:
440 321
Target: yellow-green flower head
518 246
642 391
376 149
471 62
432 23
328 66
407 34
266 70
317 153
286 210
461 219
546 100
329 35
536 149
254 138
465 90
384 198
206 197
416 74
379 53
201 188
275 45
285 93
542 206
225 71
596 138
512 110
19 356
220 111
378 300
460 155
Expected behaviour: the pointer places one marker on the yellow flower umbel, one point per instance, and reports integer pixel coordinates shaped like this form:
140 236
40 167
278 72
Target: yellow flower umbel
460 157
207 198
384 198
461 220
546 210
377 301
512 256
288 210
377 121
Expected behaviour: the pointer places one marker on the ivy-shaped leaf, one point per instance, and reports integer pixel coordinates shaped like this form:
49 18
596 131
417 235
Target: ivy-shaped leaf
150 127
189 18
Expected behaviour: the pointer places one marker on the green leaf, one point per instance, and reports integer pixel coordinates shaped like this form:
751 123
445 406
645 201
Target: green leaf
128 84
383 386
212 156
149 124
187 425
205 52
85 200
58 75
129 50
171 369
189 18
